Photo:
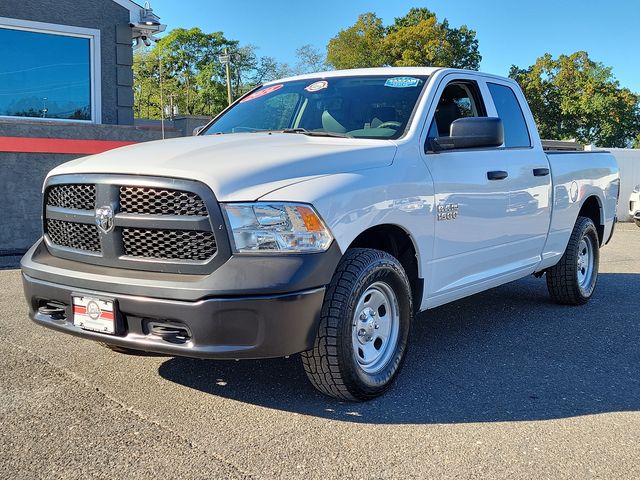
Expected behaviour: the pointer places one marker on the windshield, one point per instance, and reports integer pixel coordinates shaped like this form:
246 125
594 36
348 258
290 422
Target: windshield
359 106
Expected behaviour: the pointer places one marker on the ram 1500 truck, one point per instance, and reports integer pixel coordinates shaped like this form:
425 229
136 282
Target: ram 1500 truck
317 215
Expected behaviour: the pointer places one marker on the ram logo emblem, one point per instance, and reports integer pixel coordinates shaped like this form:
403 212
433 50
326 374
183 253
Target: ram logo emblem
104 218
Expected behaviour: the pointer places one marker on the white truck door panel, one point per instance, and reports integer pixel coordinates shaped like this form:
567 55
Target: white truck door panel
470 208
529 209
529 180
471 219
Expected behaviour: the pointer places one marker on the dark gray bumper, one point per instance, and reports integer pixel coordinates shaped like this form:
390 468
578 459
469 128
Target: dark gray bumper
249 307
224 328
240 275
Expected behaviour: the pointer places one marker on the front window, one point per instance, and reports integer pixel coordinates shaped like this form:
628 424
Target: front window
360 107
459 99
45 75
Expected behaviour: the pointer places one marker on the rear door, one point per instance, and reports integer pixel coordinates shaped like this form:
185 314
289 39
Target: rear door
529 177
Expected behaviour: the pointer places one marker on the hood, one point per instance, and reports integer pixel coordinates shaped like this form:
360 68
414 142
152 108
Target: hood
239 167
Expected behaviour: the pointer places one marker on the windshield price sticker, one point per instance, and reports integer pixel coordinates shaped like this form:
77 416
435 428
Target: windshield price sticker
314 87
262 93
402 82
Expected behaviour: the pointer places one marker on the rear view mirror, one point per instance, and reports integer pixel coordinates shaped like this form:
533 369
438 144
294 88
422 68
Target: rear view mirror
197 130
471 132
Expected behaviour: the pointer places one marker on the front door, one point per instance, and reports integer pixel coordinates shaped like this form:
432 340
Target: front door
471 202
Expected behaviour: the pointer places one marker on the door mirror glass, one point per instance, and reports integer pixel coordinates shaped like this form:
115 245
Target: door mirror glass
471 132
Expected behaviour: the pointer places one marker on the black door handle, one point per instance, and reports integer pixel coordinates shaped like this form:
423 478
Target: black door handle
497 175
540 172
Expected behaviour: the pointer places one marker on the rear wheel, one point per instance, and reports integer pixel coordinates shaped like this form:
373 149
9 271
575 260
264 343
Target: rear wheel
364 327
573 279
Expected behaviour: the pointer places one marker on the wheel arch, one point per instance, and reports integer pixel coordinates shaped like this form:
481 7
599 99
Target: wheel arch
398 242
592 208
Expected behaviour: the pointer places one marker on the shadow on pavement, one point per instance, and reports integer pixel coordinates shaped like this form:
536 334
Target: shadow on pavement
508 354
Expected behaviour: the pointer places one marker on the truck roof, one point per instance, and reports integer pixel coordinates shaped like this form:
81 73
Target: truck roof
400 71
363 71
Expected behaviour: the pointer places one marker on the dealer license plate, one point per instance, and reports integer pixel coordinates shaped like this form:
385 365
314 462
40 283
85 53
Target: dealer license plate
94 314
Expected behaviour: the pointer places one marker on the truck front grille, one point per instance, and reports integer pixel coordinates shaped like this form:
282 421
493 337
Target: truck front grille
76 196
74 235
172 244
151 223
160 201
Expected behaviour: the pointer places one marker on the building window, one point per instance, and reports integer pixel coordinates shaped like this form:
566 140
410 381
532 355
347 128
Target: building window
49 72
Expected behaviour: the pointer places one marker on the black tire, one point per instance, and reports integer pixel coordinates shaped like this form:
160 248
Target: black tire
332 365
563 279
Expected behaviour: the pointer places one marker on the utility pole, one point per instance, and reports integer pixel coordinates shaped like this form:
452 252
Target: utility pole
161 100
225 59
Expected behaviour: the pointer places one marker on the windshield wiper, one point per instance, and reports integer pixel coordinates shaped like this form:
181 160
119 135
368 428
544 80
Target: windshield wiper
316 133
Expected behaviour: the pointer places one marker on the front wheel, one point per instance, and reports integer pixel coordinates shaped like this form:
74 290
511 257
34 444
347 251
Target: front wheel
364 327
573 279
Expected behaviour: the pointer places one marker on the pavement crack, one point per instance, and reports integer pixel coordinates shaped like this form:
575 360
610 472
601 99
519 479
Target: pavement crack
87 384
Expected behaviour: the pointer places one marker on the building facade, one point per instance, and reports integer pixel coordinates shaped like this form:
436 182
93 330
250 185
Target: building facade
70 60
66 90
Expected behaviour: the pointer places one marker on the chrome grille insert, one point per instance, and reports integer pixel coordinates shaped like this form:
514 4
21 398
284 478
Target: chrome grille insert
76 196
160 201
169 244
80 236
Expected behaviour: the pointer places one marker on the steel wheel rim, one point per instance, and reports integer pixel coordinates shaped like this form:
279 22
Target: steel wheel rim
585 263
375 327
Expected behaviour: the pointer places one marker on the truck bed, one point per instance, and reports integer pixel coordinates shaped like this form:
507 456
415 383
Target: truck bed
561 146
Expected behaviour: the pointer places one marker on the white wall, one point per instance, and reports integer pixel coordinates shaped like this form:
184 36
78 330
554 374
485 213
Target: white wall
629 163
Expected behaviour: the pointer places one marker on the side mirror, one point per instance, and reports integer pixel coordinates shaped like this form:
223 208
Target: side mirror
197 130
472 132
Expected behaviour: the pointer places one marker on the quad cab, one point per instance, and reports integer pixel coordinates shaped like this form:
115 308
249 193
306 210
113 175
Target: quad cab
317 215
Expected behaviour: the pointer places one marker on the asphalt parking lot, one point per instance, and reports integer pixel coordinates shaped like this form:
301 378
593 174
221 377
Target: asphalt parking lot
504 384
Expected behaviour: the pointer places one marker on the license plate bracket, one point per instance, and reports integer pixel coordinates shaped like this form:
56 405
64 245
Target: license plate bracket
95 314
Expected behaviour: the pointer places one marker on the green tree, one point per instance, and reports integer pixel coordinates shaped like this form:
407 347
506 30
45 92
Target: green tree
269 69
185 54
310 60
184 69
416 39
574 97
359 45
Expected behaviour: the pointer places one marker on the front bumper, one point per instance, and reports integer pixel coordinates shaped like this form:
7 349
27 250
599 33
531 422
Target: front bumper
250 307
224 328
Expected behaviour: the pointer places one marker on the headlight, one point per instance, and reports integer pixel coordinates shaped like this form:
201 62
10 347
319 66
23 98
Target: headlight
264 227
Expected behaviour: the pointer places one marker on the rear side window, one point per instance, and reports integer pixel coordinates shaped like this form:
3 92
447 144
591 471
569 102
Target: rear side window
516 133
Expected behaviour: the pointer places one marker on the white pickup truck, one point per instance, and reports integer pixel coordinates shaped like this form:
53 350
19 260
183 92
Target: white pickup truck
318 214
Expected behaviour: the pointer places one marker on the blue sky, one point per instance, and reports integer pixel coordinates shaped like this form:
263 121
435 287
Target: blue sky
509 31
